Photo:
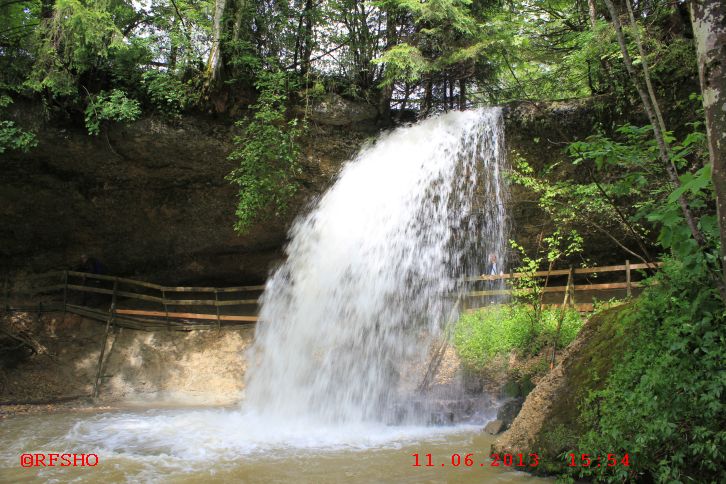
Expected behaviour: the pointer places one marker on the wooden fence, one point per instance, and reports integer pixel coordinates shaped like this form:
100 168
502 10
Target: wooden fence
124 302
146 306
571 288
135 304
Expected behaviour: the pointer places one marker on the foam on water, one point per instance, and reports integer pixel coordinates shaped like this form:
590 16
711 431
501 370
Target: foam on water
215 445
201 435
177 438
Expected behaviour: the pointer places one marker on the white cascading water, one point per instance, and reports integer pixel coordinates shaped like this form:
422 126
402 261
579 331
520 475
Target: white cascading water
372 273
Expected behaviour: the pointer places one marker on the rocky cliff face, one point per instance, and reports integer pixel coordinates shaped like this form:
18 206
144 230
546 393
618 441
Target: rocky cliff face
150 199
539 134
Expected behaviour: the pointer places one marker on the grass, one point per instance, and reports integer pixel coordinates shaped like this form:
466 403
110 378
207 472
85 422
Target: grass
486 333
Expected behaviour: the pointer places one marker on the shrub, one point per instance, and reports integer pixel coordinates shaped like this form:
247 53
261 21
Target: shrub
498 330
168 94
267 152
113 106
11 136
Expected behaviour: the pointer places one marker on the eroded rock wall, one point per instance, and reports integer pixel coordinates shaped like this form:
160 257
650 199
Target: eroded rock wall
148 199
550 422
199 367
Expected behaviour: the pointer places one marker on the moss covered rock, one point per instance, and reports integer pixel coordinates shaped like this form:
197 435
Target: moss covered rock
549 423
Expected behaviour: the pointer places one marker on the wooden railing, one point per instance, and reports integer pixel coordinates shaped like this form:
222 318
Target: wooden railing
170 306
56 291
628 284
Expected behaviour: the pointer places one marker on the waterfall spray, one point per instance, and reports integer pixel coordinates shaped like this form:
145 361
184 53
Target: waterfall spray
373 271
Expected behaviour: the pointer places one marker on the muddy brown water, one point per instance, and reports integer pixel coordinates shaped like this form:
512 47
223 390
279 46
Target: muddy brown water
224 445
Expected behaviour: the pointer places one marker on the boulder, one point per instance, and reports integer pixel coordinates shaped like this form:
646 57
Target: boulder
494 427
509 411
505 416
337 111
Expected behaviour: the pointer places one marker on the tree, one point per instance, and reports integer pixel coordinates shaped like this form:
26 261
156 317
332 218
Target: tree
652 109
441 47
232 56
709 28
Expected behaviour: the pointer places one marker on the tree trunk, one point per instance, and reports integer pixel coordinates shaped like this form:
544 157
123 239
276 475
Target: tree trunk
428 94
384 106
644 64
451 93
709 29
446 93
308 37
214 62
462 94
404 102
173 47
592 13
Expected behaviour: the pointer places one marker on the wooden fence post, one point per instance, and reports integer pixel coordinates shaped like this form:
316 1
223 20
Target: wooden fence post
566 299
216 306
166 307
569 299
627 278
65 294
109 323
113 296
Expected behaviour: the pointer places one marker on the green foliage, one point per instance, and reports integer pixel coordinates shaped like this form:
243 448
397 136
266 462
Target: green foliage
268 152
483 334
627 193
11 136
571 204
552 49
636 181
543 50
167 93
448 41
77 37
113 106
403 63
14 138
315 92
528 288
663 403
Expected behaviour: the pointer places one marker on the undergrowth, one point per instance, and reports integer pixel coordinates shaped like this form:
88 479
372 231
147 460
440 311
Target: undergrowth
486 333
663 402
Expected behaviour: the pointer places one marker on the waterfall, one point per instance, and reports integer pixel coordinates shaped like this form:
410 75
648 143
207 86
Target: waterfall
372 272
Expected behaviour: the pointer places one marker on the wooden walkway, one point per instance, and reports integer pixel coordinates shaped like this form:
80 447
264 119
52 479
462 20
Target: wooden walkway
128 303
147 306
135 304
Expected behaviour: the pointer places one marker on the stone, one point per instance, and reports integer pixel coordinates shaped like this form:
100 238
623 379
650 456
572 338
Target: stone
494 427
337 111
158 209
509 411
